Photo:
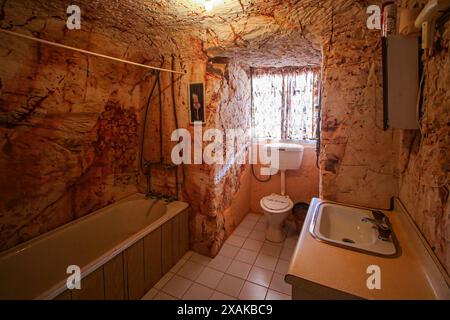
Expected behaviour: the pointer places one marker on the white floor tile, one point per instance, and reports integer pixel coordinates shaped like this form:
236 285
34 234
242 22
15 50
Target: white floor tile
286 254
239 269
228 251
178 266
220 296
220 263
273 295
257 235
266 262
252 217
244 268
150 294
187 255
235 240
191 270
282 267
162 282
177 286
290 243
198 292
201 259
210 278
260 226
230 285
253 245
248 224
242 232
277 244
271 250
260 276
246 256
252 291
278 284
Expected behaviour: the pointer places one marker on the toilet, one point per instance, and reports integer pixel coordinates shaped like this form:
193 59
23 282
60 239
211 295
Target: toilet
277 207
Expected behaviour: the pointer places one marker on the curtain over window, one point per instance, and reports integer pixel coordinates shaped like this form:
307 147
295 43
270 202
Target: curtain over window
284 104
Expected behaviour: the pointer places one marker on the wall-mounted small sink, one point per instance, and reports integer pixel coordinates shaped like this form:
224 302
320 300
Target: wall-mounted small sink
353 228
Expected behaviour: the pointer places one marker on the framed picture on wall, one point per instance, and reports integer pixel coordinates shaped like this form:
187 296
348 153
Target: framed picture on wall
197 102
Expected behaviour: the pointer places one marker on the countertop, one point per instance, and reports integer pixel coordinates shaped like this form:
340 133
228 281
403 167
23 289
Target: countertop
414 274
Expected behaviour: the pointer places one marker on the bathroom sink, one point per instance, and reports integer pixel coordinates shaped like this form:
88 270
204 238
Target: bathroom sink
353 228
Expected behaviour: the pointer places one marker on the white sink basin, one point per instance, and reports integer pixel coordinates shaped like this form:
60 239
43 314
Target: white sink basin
346 227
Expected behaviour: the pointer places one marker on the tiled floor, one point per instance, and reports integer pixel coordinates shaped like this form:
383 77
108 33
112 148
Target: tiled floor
248 267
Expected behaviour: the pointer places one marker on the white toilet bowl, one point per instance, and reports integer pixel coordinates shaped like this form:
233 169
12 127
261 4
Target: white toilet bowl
276 209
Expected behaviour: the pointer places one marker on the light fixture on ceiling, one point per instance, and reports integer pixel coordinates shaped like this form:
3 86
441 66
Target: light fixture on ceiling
209 5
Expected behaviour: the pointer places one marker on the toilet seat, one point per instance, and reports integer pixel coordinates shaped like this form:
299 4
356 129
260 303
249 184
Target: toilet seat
276 203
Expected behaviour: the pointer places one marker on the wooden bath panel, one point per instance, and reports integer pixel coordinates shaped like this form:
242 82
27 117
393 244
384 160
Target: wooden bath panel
130 274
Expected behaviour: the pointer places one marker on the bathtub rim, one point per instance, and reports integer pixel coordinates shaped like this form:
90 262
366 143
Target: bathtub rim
173 209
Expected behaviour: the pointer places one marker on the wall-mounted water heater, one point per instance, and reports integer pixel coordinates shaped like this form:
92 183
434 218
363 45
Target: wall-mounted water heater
427 20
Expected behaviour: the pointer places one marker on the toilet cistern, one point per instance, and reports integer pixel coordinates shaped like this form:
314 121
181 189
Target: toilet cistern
290 157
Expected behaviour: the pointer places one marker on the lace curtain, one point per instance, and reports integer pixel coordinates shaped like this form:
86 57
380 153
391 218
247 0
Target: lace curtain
284 104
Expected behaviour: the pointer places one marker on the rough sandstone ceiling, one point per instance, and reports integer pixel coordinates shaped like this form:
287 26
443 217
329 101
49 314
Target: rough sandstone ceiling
256 32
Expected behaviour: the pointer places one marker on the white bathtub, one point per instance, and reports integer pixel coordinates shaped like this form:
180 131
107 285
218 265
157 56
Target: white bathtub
37 269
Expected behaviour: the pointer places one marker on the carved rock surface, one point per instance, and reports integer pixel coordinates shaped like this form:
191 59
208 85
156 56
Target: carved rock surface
425 167
70 124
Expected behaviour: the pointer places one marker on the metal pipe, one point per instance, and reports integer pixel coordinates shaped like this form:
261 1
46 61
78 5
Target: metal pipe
86 51
252 116
144 126
161 145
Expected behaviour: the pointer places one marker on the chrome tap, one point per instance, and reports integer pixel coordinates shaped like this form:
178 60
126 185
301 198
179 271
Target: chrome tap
378 223
381 222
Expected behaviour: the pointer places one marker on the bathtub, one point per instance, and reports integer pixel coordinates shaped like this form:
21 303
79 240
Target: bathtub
122 251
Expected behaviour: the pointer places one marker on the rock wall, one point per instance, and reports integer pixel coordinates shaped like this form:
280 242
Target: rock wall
231 99
218 194
358 158
425 154
361 163
69 123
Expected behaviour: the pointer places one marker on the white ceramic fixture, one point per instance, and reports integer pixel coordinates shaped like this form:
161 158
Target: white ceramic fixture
277 207
351 227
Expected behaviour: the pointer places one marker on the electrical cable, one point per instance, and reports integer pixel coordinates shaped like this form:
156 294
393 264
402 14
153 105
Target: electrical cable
259 179
144 127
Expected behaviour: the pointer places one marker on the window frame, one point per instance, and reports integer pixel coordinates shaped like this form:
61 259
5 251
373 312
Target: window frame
284 117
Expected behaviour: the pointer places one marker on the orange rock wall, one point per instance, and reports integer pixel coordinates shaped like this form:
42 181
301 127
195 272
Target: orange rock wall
362 164
425 158
358 158
69 123
218 194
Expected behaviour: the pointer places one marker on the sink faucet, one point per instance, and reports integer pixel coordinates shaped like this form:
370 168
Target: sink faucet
381 222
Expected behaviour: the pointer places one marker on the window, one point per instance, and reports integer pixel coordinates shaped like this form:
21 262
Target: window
285 104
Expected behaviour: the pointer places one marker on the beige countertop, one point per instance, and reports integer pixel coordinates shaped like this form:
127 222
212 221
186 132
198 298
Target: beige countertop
414 274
